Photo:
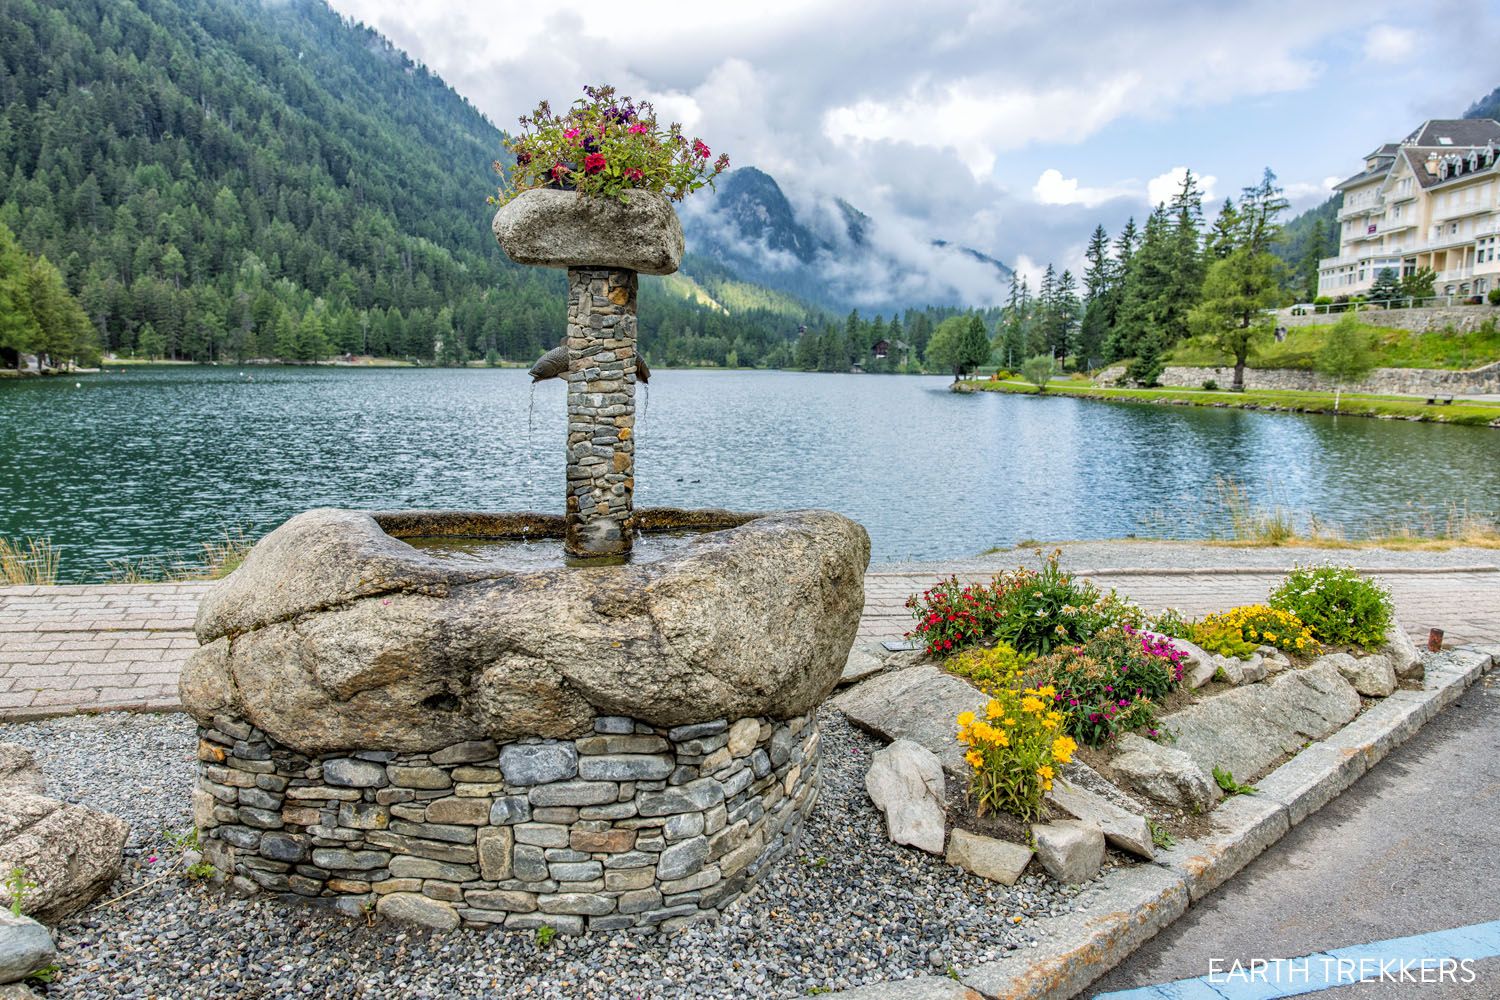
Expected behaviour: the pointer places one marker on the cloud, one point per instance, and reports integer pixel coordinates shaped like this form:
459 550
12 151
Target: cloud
1164 187
1304 194
1387 44
1052 188
932 119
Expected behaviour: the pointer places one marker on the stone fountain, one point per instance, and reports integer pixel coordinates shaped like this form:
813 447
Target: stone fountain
614 743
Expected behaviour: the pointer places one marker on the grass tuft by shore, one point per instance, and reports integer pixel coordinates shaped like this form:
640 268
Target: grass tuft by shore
27 563
214 560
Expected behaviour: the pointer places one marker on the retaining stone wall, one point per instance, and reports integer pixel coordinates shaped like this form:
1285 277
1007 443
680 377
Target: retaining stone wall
601 410
633 826
1416 381
1464 319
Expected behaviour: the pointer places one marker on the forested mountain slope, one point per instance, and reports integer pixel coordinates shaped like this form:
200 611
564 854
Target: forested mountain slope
242 179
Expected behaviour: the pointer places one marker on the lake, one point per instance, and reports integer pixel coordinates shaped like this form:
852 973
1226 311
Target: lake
152 461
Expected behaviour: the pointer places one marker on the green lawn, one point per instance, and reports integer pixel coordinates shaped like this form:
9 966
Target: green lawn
1394 349
1391 407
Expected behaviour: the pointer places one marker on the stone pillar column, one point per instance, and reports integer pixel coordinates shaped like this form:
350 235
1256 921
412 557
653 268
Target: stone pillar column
601 411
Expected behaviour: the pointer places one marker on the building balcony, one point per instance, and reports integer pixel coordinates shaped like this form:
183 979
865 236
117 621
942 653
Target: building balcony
1464 211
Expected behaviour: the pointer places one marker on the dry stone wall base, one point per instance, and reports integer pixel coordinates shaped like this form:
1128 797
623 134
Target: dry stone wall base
631 826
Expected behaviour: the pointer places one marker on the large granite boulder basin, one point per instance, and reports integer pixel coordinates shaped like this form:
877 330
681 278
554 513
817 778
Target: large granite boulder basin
466 741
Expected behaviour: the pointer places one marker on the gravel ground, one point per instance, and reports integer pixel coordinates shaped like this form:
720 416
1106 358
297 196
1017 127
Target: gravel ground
1143 554
848 908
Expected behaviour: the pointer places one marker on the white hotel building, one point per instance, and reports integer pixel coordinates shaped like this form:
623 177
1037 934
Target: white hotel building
1431 200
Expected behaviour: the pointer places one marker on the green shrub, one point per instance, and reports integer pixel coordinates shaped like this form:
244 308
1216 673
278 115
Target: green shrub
1210 385
1494 296
1260 625
951 616
1221 638
1029 610
1338 605
1040 609
1170 621
1110 683
990 670
1038 369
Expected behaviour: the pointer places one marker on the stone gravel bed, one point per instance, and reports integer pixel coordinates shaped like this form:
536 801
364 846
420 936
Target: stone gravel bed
847 908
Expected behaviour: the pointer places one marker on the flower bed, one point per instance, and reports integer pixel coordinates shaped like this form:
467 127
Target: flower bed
1153 728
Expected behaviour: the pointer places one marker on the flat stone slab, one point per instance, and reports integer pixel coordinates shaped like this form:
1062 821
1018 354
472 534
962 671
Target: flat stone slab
905 781
551 228
860 665
920 704
1245 730
997 860
1072 851
1124 829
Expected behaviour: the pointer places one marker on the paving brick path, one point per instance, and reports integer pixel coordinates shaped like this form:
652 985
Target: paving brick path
95 648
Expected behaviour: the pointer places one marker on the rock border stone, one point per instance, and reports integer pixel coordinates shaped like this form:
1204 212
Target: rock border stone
1144 899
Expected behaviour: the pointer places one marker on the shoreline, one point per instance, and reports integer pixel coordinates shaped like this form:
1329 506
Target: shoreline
1411 408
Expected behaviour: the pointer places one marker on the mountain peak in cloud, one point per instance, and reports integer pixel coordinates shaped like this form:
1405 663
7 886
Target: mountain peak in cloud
829 252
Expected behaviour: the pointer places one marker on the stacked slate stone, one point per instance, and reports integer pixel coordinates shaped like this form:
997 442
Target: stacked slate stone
633 826
601 410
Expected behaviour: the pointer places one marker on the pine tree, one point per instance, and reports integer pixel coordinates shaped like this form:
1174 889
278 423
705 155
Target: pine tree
1386 287
1065 316
1260 209
1015 322
1144 326
1232 315
1307 267
1225 235
19 332
1096 273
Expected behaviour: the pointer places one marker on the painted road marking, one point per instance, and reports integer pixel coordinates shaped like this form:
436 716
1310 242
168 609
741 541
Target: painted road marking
1433 955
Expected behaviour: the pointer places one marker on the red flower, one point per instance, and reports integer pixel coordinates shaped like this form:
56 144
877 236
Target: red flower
633 174
558 170
701 149
593 163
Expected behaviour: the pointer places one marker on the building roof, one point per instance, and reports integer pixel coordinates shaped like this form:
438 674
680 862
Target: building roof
1426 163
1454 132
1365 175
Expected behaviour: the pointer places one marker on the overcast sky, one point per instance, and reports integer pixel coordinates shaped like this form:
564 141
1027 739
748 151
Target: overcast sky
1012 127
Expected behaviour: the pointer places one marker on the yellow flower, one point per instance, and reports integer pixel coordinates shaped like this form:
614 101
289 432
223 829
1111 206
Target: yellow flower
975 758
1032 704
1049 723
1007 721
1062 749
1045 771
965 719
993 709
1046 691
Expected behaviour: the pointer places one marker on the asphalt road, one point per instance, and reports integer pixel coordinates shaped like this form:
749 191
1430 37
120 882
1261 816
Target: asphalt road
1411 848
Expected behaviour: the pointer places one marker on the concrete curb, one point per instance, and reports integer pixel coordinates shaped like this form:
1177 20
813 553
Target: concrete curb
1144 899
